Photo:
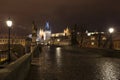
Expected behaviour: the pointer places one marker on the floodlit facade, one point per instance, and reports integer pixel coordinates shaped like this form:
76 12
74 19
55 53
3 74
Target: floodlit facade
44 34
47 32
102 40
13 41
61 39
95 39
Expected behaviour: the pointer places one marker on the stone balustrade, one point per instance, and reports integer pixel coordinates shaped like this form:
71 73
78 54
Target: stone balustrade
16 70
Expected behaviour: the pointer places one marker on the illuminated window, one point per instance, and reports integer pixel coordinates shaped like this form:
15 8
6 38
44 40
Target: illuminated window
96 32
104 38
58 40
93 38
57 35
92 43
78 33
89 34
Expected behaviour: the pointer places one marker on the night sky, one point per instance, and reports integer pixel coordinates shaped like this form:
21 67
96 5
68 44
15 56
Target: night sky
94 14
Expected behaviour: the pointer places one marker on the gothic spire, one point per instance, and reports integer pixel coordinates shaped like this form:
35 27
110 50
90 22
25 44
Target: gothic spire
47 27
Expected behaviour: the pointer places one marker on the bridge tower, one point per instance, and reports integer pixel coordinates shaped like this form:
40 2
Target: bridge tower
47 32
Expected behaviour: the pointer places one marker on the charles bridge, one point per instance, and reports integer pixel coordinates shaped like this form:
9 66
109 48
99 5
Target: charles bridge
64 63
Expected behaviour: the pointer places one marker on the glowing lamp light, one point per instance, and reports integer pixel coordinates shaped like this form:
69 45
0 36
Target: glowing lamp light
89 34
30 35
92 43
58 40
9 22
111 30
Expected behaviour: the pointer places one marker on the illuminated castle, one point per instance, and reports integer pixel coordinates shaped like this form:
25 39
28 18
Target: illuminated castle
45 34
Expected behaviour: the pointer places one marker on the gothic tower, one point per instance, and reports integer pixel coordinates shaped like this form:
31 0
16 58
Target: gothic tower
47 32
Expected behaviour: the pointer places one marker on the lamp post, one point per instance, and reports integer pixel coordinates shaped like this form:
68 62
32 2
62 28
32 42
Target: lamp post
111 30
9 24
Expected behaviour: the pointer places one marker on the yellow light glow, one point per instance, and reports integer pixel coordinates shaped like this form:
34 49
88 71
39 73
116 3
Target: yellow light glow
9 23
58 40
92 43
111 30
89 34
57 35
58 56
93 38
104 38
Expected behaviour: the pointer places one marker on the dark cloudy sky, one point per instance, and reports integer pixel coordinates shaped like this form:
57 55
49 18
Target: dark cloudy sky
95 14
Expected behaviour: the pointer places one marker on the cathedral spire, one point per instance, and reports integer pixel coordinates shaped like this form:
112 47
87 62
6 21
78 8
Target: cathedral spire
47 27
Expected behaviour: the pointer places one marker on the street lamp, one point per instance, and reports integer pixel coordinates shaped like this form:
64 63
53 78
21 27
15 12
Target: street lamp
111 30
9 24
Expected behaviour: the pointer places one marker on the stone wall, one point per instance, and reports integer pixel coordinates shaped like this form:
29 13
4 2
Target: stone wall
16 70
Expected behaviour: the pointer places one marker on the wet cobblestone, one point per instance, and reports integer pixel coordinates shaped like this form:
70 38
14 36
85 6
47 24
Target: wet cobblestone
57 64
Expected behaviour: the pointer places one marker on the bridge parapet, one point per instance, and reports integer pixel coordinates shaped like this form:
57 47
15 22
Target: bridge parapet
16 70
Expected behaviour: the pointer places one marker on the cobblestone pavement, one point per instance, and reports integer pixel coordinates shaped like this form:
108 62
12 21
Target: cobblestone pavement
57 64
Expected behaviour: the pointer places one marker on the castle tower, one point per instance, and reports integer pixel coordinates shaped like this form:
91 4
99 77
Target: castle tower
41 34
47 32
67 31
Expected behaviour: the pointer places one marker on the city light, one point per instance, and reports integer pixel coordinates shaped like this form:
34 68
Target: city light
111 30
89 34
9 22
58 40
92 43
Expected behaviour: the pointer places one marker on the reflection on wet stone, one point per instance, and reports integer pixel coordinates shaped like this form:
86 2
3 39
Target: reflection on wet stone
109 70
57 64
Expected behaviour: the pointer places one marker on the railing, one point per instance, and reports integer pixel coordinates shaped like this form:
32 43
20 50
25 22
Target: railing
18 70
3 56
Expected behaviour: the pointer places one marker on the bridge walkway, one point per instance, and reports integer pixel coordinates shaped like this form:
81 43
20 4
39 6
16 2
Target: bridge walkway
35 72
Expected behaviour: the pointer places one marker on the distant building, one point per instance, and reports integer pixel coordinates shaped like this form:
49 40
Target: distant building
102 40
95 39
61 39
13 40
66 32
116 41
44 34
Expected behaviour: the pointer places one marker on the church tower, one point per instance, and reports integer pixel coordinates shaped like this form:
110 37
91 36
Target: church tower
47 32
67 31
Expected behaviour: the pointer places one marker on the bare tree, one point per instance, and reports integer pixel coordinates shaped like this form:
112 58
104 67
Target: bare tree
82 34
74 35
